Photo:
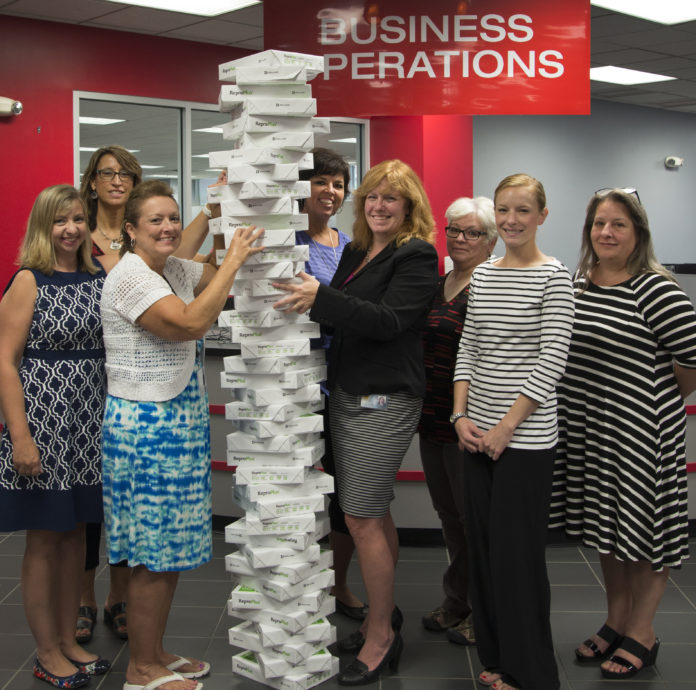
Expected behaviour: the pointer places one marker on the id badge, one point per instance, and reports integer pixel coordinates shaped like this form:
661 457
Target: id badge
376 401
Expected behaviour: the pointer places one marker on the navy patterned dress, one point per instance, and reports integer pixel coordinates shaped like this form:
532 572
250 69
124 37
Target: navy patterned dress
62 374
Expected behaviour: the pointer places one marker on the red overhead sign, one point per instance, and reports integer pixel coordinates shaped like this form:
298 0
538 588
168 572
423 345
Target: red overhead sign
437 57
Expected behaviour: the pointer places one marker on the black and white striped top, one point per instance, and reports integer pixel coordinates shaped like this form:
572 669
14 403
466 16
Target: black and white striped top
515 341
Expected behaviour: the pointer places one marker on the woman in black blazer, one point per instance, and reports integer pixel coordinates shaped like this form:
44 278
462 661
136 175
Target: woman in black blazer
376 304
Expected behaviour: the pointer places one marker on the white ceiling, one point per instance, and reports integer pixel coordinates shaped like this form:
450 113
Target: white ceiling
617 39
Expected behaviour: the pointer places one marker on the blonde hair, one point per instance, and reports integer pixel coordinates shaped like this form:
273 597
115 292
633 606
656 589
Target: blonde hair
642 258
523 180
419 222
37 250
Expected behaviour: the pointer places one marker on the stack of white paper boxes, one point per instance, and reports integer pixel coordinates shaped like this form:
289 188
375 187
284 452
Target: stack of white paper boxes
281 574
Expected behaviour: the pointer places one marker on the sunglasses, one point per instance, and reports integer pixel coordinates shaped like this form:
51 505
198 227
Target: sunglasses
626 190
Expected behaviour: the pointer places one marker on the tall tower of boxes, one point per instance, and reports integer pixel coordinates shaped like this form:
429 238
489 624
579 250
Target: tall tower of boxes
281 575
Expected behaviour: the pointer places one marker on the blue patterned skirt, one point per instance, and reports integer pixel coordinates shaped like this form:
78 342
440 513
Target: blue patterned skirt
157 480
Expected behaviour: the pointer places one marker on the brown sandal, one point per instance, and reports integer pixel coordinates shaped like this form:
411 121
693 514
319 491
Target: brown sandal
115 618
86 618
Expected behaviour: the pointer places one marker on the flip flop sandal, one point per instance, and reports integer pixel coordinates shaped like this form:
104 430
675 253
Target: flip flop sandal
489 676
608 635
203 668
647 657
115 618
86 618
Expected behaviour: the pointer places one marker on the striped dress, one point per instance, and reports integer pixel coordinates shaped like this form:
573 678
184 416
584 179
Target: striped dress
515 341
620 480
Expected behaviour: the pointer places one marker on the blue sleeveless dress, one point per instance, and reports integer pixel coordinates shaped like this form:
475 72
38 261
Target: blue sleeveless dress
62 374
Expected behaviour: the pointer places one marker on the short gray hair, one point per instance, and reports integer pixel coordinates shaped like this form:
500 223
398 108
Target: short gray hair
482 206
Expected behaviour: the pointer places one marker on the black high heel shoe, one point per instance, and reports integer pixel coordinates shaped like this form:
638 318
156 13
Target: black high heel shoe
647 656
608 635
357 673
355 641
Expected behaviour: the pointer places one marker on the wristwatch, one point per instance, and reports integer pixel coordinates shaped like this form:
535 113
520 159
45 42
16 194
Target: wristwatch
457 415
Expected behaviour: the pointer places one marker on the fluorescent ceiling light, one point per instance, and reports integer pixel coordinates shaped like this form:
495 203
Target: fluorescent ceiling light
150 167
348 140
200 155
88 149
207 8
98 121
621 75
210 130
663 12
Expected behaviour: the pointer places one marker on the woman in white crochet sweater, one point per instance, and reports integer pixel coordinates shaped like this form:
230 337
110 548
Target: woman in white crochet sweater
156 309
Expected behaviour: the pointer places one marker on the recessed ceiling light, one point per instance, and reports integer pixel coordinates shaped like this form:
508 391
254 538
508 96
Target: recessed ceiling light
621 75
663 12
210 130
207 8
98 121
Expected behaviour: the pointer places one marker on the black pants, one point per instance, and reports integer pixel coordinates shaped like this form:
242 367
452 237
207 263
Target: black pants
506 515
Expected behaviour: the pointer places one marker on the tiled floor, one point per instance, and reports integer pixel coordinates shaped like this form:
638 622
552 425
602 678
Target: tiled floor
198 625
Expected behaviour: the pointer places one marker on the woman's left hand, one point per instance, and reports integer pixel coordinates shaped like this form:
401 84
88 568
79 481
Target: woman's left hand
495 441
301 295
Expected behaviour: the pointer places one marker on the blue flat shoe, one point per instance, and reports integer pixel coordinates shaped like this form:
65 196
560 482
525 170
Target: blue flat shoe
76 680
98 667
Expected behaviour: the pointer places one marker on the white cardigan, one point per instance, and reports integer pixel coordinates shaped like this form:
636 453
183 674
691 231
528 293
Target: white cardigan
140 365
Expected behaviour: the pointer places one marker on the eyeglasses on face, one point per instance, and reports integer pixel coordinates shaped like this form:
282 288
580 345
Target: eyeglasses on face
626 190
469 234
107 174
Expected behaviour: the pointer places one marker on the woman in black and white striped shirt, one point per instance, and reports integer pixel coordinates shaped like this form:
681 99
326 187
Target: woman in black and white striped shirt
512 353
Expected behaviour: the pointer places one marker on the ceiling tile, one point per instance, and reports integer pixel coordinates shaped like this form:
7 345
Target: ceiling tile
215 31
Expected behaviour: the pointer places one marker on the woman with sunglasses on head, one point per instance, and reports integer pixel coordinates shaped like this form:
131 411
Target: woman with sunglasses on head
511 355
471 236
107 182
621 474
329 180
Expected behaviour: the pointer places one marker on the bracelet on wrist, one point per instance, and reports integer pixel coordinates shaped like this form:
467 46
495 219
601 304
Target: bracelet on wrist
207 211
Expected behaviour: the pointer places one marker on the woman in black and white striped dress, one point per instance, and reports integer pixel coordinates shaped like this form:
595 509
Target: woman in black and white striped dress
621 474
512 353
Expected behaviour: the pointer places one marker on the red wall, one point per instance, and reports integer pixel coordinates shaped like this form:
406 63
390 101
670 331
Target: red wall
43 63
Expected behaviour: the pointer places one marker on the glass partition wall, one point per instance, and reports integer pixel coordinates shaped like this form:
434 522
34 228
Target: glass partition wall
172 139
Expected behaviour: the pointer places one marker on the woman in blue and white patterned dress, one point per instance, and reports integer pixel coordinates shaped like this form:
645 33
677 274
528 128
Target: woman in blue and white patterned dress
156 309
51 397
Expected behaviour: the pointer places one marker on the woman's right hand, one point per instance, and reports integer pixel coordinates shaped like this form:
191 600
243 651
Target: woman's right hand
241 247
469 435
26 458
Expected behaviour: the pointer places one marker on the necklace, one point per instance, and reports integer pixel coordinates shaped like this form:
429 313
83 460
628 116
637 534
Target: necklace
321 253
115 244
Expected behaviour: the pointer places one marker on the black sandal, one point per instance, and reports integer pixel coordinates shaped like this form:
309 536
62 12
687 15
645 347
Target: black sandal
647 657
608 635
115 618
86 618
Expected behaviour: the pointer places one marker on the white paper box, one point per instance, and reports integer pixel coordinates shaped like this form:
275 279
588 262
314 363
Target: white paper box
282 107
280 348
229 379
293 622
319 631
232 95
272 396
275 475
297 221
262 319
261 190
244 303
281 74
310 454
278 507
298 253
296 379
272 58
257 207
280 444
236 363
321 125
294 652
279 412
316 482
286 524
237 563
285 592
284 237
288 331
244 172
297 425
244 122
242 458
293 141
296 541
247 636
256 156
296 572
282 269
